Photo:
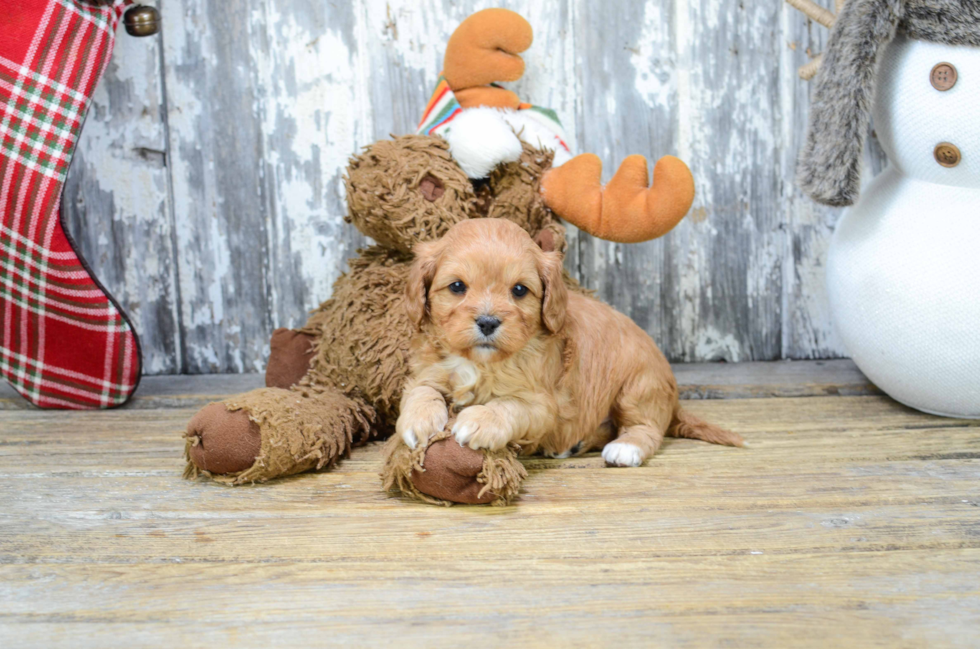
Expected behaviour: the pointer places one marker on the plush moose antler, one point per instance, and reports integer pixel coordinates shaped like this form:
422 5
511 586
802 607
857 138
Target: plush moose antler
486 48
628 209
820 15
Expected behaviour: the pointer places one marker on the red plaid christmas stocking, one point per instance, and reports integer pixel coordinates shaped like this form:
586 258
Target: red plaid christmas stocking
64 343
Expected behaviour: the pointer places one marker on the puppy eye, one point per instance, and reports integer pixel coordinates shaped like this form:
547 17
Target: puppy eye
519 290
457 287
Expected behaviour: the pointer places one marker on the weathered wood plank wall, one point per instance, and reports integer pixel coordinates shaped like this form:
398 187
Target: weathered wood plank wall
207 190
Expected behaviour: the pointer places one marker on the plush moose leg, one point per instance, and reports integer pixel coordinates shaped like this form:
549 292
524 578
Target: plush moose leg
290 354
271 432
441 472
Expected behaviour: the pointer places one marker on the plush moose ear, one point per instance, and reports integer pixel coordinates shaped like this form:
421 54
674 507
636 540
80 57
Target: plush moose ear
555 294
419 279
552 239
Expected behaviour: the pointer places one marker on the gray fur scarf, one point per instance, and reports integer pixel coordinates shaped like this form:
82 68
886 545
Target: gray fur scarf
830 163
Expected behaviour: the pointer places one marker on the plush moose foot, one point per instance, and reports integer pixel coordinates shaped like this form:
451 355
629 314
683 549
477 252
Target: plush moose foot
290 353
271 433
441 472
222 440
450 474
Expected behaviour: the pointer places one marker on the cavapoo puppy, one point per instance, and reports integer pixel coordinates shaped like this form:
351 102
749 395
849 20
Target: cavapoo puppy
523 360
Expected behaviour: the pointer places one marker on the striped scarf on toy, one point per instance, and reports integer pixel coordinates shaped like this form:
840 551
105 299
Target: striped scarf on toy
443 107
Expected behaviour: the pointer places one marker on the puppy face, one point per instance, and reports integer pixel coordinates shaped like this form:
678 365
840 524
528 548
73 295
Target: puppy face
486 289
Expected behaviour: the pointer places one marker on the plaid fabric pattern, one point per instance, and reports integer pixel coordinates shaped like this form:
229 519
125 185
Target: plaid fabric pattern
63 342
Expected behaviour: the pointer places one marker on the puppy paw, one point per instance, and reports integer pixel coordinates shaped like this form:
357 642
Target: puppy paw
422 420
574 450
622 454
480 427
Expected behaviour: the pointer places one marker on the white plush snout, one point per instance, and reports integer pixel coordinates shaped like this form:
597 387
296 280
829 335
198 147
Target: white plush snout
480 139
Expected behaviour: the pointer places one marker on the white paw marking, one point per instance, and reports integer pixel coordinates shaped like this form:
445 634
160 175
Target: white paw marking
463 432
426 427
409 437
622 454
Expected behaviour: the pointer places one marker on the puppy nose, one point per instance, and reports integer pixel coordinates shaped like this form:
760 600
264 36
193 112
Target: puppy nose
487 324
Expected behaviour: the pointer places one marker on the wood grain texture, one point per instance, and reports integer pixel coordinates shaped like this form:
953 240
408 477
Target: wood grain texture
850 521
695 380
208 194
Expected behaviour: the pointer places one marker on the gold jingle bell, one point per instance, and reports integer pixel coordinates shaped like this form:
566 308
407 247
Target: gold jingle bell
142 21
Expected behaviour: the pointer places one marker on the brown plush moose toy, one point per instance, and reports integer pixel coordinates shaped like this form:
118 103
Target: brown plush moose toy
336 383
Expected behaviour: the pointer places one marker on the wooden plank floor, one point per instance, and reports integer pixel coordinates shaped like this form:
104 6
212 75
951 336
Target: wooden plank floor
851 521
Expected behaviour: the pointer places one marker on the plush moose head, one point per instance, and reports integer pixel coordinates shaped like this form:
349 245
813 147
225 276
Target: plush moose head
410 190
483 153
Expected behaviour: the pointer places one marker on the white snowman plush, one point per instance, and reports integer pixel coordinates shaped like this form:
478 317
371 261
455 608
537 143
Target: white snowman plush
903 272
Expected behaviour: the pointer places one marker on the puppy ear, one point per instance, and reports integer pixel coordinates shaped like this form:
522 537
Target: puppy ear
420 277
555 293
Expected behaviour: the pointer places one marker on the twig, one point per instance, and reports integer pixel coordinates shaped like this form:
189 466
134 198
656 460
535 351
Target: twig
809 70
814 11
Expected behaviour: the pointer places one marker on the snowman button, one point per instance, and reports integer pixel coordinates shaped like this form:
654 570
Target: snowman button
947 154
943 76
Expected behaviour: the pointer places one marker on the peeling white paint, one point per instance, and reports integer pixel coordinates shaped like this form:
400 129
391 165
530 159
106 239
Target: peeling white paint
117 192
320 80
655 77
309 135
688 309
713 345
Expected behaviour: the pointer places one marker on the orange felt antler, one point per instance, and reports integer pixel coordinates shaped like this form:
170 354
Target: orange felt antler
483 49
628 209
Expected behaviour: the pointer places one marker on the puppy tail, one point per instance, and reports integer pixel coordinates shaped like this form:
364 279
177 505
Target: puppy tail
691 427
